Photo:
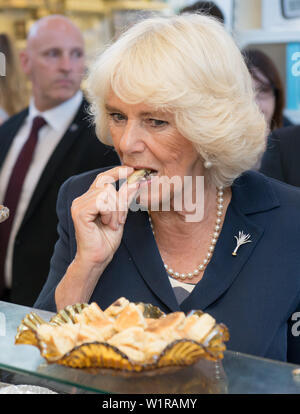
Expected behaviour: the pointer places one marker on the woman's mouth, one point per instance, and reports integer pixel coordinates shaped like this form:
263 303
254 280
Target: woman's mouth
142 175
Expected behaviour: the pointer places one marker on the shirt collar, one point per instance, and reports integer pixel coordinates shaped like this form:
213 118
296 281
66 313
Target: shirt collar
60 116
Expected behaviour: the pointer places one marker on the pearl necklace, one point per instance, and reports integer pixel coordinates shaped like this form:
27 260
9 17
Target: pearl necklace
215 236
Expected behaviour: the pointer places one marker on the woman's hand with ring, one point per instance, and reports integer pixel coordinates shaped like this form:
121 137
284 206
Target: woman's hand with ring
99 216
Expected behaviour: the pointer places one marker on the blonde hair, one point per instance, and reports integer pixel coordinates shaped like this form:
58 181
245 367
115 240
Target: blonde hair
188 65
13 90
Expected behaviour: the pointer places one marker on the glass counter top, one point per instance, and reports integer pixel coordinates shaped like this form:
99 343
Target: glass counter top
236 374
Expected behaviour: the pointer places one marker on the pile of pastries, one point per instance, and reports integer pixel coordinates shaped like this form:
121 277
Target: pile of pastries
124 326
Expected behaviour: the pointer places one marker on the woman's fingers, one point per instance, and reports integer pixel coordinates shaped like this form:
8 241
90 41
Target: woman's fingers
104 201
111 176
107 206
114 205
118 205
126 195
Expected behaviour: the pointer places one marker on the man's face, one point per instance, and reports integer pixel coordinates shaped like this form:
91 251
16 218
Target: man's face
54 62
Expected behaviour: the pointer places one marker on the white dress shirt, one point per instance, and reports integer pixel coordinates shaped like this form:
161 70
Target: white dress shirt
3 115
58 120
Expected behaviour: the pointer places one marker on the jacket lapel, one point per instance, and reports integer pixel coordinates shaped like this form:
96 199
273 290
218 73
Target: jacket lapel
8 132
142 247
224 268
55 160
219 274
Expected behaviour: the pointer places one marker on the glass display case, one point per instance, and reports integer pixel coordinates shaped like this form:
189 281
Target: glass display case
235 374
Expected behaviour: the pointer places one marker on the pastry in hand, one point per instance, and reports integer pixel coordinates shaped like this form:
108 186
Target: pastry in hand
138 175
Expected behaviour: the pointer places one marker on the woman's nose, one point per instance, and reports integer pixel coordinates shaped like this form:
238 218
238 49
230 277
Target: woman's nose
132 139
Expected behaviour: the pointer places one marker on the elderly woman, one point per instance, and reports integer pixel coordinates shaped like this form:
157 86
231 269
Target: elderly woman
175 98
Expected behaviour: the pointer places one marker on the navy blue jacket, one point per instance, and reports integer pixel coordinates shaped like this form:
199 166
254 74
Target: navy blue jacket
254 293
281 159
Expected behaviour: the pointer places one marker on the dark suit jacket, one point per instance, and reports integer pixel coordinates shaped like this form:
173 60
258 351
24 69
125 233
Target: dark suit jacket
79 150
254 293
281 159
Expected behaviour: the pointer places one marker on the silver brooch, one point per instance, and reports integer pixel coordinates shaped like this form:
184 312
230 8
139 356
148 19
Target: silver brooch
242 239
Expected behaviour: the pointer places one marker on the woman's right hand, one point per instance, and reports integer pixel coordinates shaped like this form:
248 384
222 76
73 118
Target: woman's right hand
99 216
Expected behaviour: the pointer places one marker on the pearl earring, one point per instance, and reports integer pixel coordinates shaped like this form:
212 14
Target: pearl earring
207 164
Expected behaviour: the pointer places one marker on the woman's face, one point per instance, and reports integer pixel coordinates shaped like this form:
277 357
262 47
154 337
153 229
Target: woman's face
264 95
147 138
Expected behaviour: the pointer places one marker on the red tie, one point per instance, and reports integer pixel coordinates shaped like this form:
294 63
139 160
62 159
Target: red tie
14 189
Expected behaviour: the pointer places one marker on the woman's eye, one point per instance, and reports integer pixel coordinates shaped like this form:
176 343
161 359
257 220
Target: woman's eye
157 122
116 117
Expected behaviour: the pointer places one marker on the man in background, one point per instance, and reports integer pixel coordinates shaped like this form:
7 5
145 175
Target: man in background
207 7
40 148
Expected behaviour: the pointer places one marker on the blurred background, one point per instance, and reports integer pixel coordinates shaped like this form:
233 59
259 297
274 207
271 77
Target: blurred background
272 26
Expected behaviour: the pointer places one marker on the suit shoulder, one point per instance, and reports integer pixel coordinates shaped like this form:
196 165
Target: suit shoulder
256 189
88 142
13 119
286 134
287 194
